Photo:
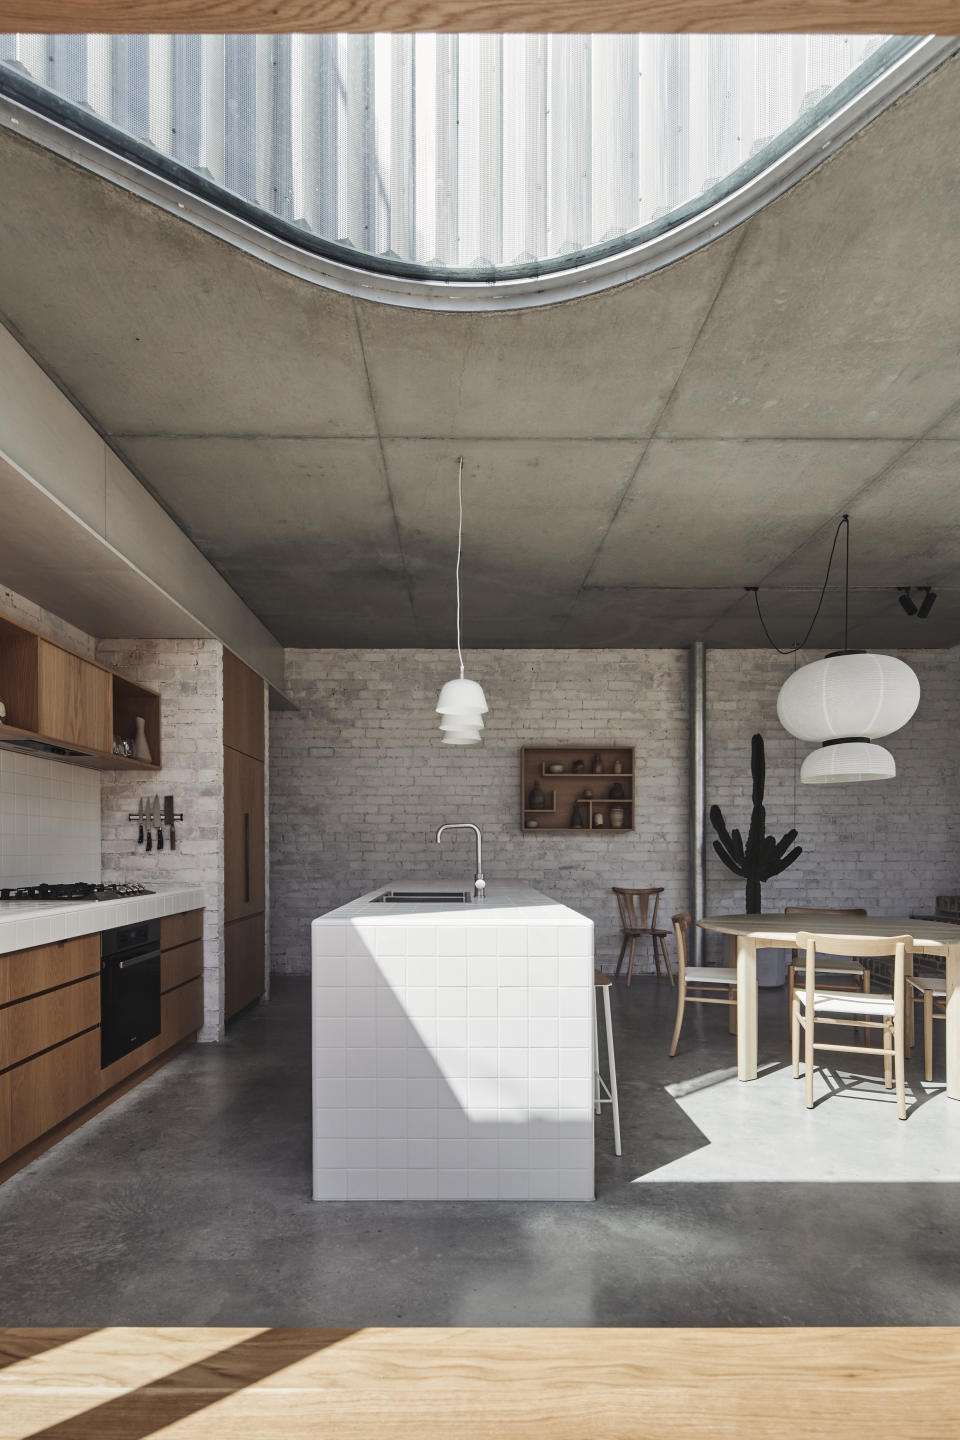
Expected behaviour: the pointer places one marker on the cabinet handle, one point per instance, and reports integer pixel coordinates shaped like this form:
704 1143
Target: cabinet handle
246 857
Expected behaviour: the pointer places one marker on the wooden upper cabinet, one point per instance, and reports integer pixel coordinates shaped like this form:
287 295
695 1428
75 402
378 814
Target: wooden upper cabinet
74 699
242 707
244 889
55 695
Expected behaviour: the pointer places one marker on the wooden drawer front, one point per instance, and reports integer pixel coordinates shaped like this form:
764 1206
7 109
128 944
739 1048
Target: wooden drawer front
75 699
180 965
27 972
35 1025
38 1095
244 963
242 707
181 929
182 1013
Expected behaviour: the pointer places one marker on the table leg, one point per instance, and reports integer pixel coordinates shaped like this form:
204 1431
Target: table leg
747 1008
953 1022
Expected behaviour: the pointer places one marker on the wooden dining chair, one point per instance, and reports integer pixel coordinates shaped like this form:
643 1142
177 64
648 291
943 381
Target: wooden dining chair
832 965
638 917
931 992
698 984
813 1006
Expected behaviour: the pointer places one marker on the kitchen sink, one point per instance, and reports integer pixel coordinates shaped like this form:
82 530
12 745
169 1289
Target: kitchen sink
423 897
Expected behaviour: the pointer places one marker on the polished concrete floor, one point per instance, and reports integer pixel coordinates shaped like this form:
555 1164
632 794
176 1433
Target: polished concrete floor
188 1202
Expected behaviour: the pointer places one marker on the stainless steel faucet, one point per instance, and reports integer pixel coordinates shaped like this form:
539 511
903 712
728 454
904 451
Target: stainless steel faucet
479 884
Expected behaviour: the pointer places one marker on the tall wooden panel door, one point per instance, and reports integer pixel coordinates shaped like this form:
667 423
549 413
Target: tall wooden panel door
245 963
244 839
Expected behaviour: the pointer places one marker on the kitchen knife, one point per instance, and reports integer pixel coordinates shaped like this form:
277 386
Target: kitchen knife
168 820
158 821
149 844
140 818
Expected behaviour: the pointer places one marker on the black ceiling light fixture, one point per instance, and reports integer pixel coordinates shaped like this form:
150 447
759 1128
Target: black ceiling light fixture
926 604
909 604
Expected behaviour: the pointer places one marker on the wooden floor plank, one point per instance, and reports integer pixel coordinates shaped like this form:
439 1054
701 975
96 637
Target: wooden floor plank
196 1384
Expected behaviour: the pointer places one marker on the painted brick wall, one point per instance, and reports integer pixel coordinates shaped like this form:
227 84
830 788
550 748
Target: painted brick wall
49 812
891 846
189 676
360 781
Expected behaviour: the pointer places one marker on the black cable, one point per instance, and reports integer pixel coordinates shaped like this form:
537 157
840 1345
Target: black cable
792 649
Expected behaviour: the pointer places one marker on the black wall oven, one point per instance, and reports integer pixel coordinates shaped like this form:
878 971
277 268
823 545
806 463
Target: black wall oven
129 989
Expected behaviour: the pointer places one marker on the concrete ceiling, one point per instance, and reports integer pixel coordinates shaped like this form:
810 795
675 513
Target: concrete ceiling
632 459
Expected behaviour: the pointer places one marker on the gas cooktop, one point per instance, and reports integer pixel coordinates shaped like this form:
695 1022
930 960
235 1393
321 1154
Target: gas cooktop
78 890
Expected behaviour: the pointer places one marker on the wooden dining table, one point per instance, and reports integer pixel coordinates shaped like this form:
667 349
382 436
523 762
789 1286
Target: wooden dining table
779 932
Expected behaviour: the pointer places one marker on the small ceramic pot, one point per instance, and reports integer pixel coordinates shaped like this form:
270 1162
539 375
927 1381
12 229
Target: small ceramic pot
616 817
555 769
598 821
533 824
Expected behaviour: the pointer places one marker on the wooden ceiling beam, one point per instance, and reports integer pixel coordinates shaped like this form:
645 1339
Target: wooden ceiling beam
903 17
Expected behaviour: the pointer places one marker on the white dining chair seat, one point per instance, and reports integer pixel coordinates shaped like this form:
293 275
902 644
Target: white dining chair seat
936 984
837 966
833 1002
711 975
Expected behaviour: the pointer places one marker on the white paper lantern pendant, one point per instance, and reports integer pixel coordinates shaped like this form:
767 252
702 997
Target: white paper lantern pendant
462 703
846 701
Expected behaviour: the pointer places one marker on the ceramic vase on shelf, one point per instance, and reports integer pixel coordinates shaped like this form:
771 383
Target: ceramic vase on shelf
616 817
141 750
598 820
537 800
597 765
618 767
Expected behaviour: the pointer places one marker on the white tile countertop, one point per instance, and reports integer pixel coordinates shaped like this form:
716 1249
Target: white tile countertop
25 923
505 902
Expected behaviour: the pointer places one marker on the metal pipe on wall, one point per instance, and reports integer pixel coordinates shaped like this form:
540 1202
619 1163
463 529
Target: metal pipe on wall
697 703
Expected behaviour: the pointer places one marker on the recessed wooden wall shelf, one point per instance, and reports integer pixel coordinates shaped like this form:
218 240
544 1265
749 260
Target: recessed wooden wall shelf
565 788
65 706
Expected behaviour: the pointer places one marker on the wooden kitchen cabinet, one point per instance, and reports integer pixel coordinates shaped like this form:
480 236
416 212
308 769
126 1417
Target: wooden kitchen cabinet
74 699
28 972
43 1092
244 963
242 708
46 1020
244 879
180 965
181 929
70 707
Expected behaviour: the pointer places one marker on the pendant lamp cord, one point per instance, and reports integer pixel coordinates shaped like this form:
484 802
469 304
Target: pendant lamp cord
792 649
459 549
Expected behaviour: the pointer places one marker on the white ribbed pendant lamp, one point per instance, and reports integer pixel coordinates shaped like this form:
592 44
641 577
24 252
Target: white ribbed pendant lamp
462 703
846 701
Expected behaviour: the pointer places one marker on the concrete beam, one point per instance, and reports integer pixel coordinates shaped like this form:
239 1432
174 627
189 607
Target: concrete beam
83 538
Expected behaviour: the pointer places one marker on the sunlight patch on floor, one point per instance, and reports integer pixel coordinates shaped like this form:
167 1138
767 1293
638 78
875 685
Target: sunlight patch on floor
762 1131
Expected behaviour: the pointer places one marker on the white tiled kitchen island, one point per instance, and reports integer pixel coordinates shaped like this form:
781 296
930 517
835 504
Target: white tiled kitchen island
452 1049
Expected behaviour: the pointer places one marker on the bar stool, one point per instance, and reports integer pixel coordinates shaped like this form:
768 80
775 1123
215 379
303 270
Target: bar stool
604 1093
635 925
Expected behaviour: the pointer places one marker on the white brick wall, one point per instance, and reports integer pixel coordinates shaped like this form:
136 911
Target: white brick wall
49 812
360 781
189 676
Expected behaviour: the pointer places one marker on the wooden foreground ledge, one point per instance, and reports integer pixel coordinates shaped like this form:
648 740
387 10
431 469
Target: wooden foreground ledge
470 1384
903 17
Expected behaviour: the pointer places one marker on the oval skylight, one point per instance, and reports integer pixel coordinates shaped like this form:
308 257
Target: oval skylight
445 157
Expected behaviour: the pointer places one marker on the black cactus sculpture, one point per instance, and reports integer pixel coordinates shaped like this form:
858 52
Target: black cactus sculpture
762 857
